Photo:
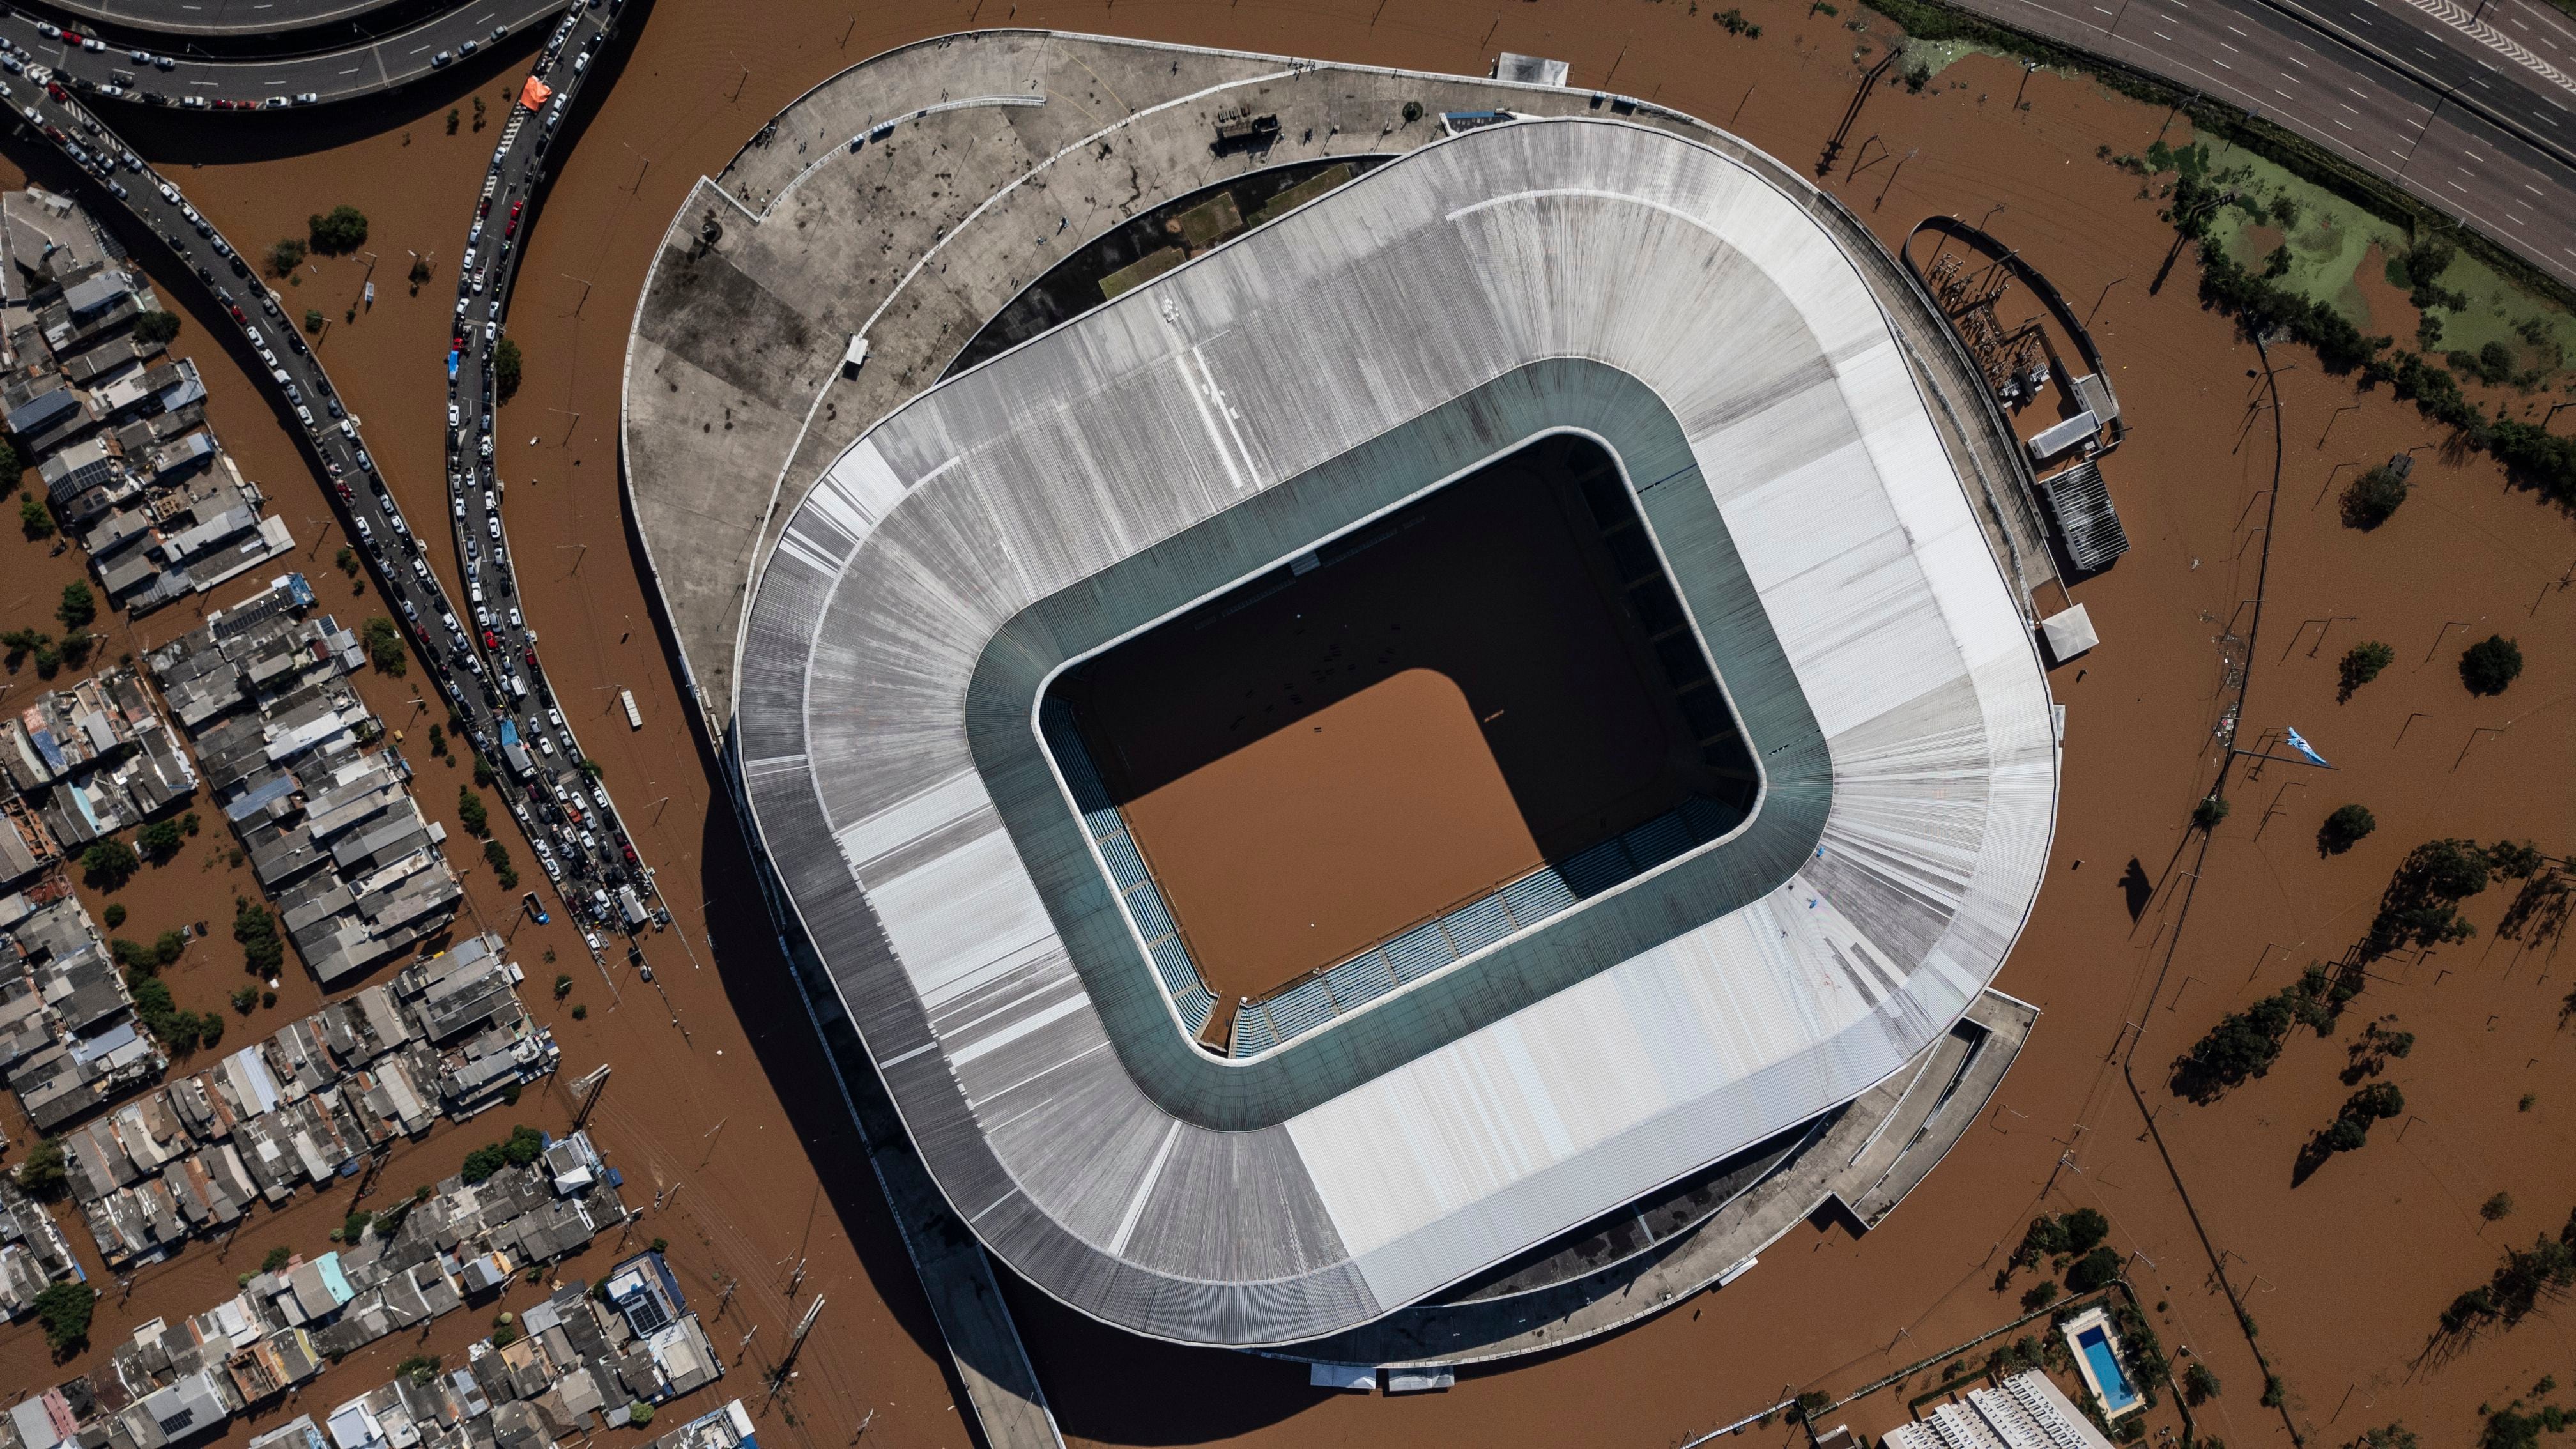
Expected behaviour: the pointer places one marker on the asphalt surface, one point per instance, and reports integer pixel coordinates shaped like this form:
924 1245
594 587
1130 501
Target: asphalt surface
569 821
2406 124
99 70
182 19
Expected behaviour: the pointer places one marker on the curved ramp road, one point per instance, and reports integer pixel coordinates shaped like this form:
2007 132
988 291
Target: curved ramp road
598 859
163 74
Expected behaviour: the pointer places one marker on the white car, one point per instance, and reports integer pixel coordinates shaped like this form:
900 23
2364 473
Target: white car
487 445
514 619
455 415
487 499
554 716
599 793
421 569
545 742
169 193
495 522
459 501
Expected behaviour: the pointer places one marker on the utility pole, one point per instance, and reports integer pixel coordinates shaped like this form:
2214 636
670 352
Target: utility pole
589 1088
787 1363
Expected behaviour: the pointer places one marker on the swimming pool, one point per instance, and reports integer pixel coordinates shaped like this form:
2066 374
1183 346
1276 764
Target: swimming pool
2107 1377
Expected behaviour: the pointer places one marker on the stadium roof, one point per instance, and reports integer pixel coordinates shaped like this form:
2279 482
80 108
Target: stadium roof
1697 312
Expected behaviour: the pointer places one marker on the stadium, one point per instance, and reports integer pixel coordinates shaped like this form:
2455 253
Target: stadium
1430 778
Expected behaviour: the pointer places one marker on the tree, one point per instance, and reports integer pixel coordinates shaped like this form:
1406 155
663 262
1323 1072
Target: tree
2093 1270
2209 812
505 369
563 985
2361 664
246 999
2487 666
43 1174
262 952
384 644
470 811
285 256
2085 1230
159 840
2347 827
2371 498
2041 1294
313 320
109 864
115 914
157 328
65 1309
34 518
498 856
278 1257
2199 1384
346 560
338 232
2497 1208
80 606
639 1414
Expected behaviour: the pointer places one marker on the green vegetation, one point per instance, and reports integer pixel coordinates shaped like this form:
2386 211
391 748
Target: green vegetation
639 1415
181 1031
34 518
2199 1384
2246 1043
2497 1208
2350 1130
2421 905
2093 1270
518 1150
1735 24
158 328
2361 664
2526 1279
2040 1295
354 1227
41 1174
2347 827
108 864
313 320
470 811
285 256
346 560
79 606
278 1257
498 856
2209 812
159 840
2372 498
420 1368
115 914
2512 1428
2486 667
384 644
262 951
580 1012
563 985
338 232
2072 1233
1412 112
246 999
506 365
65 1308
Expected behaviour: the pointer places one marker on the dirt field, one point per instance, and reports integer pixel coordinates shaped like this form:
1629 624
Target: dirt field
2344 1275
1315 762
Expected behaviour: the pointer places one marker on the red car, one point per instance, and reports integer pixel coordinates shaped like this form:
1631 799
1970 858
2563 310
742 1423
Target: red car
514 208
530 655
491 640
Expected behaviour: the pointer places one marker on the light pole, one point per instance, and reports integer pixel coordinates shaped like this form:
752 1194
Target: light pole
2097 302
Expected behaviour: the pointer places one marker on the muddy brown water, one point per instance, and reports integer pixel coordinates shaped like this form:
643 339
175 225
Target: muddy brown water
2344 1274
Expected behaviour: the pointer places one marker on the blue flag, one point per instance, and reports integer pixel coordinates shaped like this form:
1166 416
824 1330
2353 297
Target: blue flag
2299 743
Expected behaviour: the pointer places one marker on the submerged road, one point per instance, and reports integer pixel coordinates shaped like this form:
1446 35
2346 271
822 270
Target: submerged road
2487 138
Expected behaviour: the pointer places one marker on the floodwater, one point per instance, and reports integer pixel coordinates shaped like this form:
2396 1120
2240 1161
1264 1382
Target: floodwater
717 1070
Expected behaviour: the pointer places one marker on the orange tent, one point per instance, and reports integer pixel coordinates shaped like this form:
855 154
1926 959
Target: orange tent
533 94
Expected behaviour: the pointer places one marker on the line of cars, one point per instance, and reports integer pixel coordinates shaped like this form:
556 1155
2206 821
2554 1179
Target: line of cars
90 65
572 825
568 819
